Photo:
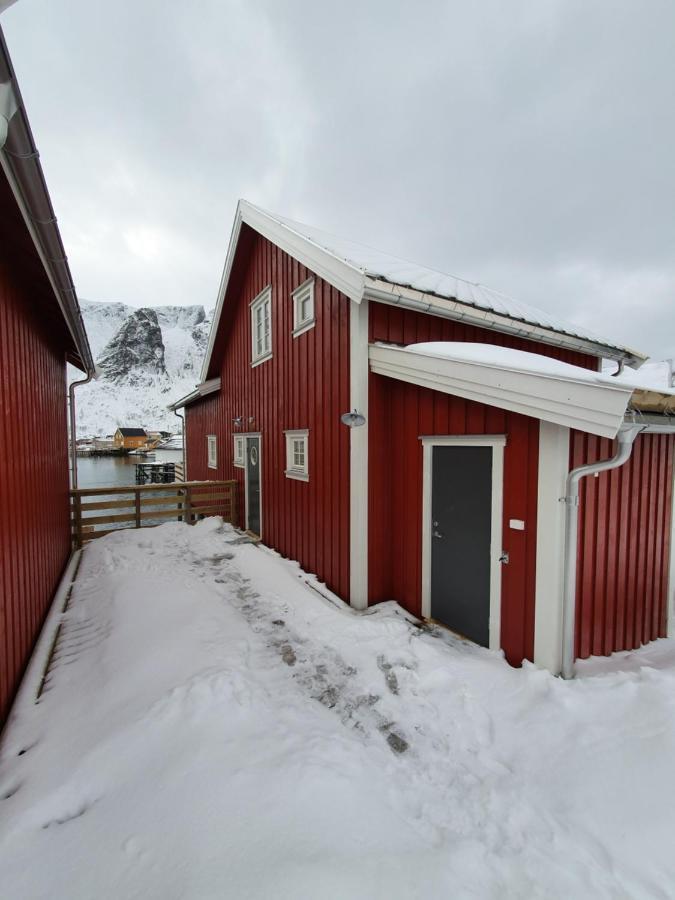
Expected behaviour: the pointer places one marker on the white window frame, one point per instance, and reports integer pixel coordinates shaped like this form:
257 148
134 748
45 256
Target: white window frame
300 473
239 450
262 301
211 451
303 292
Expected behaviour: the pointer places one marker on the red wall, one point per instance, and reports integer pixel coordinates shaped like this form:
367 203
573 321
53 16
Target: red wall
34 517
304 385
624 545
399 413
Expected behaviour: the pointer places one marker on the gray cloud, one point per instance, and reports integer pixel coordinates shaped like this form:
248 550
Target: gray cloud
525 145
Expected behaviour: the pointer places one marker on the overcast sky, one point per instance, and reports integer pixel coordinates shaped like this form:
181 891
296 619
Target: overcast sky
527 145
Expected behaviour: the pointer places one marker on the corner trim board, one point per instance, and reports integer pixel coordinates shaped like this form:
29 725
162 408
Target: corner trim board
358 456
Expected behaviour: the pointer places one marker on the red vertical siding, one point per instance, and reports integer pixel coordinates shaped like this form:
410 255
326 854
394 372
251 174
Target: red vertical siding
34 517
304 385
624 545
399 413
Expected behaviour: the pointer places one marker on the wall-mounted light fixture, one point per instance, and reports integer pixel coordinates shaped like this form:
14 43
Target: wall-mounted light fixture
251 420
237 421
353 419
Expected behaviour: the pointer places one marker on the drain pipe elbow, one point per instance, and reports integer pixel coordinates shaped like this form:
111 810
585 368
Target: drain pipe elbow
625 439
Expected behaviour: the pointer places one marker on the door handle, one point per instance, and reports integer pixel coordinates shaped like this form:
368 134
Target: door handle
437 534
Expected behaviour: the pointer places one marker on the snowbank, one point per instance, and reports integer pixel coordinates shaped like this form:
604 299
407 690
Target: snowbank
213 727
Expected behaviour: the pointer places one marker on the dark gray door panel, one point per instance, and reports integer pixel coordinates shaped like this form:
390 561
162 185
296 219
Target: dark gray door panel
461 514
253 484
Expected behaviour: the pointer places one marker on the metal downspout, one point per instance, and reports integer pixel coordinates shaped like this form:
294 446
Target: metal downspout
625 438
73 435
182 418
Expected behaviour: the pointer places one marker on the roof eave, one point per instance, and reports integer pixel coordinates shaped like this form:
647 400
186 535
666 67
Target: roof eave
574 403
382 291
21 166
212 386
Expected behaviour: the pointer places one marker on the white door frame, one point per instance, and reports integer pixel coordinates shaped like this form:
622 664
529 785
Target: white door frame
497 442
246 436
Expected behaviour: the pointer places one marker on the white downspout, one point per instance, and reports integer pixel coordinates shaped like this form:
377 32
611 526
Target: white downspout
73 436
183 442
625 438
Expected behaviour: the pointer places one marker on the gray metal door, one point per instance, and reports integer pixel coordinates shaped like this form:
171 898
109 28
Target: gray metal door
253 484
461 512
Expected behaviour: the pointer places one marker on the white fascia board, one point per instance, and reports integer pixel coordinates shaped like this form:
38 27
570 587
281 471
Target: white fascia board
594 408
344 276
410 298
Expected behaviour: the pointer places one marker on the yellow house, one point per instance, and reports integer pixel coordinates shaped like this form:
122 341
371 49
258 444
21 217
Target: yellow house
130 438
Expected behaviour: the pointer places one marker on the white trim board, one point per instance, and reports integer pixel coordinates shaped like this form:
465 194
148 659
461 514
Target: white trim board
554 450
587 406
358 457
497 442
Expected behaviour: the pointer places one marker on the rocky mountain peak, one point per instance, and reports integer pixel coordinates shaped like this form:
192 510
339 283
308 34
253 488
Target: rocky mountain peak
137 347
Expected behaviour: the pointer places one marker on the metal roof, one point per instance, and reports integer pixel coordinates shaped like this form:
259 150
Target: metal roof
360 271
376 265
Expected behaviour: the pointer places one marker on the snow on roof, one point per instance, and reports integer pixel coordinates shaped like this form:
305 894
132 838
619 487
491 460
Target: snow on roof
378 265
515 360
522 382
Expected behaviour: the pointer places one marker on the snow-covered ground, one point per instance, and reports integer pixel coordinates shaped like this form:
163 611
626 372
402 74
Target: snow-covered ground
212 727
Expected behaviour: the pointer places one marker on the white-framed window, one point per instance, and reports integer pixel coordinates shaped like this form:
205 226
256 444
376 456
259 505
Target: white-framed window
239 450
303 307
297 455
261 327
212 451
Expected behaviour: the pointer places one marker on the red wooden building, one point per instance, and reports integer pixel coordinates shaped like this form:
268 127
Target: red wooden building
40 330
408 436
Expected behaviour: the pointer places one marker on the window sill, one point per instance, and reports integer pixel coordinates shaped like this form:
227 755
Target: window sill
239 465
297 476
260 359
301 329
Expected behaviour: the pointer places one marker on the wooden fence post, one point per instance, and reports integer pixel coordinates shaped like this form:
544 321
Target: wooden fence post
77 519
137 497
188 505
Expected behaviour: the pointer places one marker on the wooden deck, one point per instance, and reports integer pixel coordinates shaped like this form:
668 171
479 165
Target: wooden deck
98 511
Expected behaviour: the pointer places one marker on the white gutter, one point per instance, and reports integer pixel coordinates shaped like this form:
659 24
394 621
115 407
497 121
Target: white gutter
625 438
457 311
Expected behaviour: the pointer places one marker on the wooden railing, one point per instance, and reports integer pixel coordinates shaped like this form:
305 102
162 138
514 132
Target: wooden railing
98 511
179 471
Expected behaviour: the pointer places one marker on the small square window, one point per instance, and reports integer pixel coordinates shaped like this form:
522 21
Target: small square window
303 307
297 461
261 327
239 450
212 451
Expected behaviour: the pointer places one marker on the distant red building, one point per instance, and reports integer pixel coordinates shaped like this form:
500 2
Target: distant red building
445 489
40 330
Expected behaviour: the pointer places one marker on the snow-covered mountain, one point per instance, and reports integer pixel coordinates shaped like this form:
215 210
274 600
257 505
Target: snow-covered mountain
147 358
